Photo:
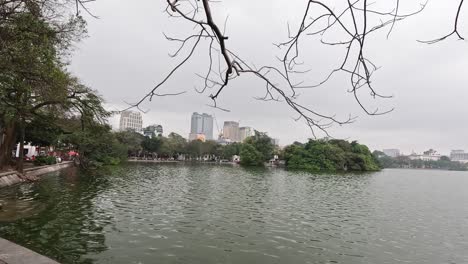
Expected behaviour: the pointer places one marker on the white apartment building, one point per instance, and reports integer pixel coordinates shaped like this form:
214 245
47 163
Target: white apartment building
130 120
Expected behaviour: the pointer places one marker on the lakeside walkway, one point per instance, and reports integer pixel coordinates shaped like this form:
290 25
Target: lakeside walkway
11 253
13 177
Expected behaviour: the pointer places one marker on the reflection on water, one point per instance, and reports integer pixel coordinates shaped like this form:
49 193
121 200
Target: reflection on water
15 209
63 222
175 213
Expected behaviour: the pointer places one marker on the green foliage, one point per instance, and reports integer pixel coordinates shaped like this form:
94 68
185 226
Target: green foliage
35 87
32 74
330 156
263 144
230 150
173 145
44 160
97 146
132 140
152 144
250 156
444 158
42 131
198 148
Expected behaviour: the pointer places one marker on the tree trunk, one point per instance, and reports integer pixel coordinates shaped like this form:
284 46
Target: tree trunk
20 163
9 139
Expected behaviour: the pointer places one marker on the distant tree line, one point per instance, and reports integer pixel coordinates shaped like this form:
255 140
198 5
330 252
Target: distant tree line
97 145
405 162
253 151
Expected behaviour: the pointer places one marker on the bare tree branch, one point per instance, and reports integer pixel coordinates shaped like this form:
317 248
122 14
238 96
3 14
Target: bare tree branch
455 28
353 22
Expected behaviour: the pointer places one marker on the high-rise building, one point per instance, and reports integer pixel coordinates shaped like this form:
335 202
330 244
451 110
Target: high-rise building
153 130
201 124
130 120
231 131
207 126
245 132
196 125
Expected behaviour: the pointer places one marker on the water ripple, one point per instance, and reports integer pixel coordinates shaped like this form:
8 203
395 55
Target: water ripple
221 214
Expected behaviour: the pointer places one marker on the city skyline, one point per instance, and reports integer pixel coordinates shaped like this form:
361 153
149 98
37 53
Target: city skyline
177 125
201 127
409 74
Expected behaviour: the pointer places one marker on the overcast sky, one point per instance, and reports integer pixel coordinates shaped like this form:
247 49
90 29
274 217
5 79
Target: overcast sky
126 54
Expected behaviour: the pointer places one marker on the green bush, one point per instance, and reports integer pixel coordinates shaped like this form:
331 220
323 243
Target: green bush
97 146
330 156
250 156
44 160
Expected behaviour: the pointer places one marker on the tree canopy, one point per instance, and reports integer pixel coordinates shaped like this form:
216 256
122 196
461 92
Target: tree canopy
330 156
34 83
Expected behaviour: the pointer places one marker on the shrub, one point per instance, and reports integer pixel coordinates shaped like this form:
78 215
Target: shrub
330 156
250 156
44 160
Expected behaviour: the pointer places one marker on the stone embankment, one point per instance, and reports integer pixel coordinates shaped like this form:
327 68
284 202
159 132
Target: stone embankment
31 174
10 253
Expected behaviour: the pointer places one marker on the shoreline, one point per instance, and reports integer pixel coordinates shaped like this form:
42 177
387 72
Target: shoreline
30 174
11 253
181 162
268 166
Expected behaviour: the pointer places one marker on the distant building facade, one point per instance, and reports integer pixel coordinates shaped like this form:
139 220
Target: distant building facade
426 156
275 141
392 152
245 132
222 141
459 155
231 131
130 120
153 130
29 151
200 137
201 126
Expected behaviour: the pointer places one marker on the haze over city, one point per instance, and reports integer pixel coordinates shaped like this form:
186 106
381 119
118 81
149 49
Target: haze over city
126 54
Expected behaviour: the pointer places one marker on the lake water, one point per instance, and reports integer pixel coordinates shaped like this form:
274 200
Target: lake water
175 213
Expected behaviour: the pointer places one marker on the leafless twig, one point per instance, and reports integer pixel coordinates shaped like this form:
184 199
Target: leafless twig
355 22
455 28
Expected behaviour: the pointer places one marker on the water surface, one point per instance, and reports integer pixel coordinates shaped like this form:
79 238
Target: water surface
175 213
